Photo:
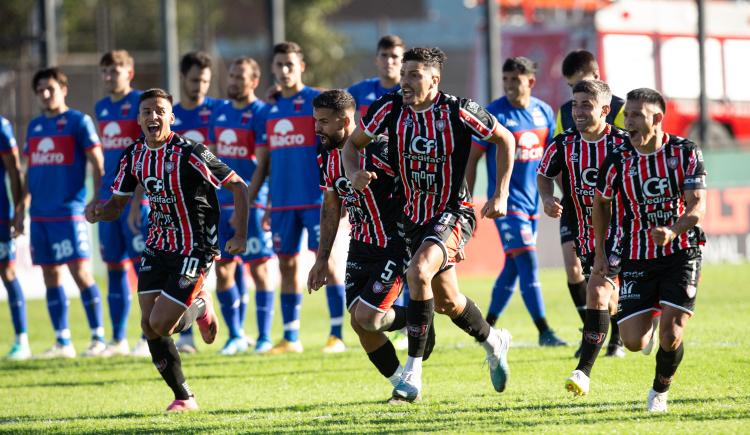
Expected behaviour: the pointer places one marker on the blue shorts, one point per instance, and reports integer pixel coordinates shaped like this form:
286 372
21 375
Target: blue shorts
7 245
59 242
517 234
259 244
117 242
287 226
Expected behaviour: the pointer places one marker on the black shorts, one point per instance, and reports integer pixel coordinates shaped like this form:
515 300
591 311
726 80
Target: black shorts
450 230
175 276
671 281
375 275
567 229
613 267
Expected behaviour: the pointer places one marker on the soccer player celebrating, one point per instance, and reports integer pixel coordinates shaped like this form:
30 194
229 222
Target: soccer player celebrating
121 240
192 120
660 183
582 65
234 129
180 178
429 141
577 155
390 51
58 144
377 252
289 151
9 229
531 122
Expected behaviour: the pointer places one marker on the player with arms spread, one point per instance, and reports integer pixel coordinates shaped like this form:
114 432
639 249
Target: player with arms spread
429 138
660 181
180 178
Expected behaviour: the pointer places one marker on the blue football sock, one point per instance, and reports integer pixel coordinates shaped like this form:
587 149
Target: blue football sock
57 305
264 313
335 297
17 304
118 299
92 304
503 289
229 301
291 303
531 290
187 332
403 298
240 282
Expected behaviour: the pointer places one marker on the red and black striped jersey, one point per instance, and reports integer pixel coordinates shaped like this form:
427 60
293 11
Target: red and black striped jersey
579 160
430 148
375 213
652 189
180 179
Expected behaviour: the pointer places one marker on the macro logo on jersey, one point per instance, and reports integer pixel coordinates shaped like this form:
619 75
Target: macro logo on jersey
195 135
579 161
118 135
51 150
235 143
294 131
651 189
530 144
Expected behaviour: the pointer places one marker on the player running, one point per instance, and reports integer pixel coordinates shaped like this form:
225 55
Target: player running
390 51
660 182
192 120
121 241
58 144
9 230
577 154
377 253
429 141
531 122
287 152
234 129
180 178
582 65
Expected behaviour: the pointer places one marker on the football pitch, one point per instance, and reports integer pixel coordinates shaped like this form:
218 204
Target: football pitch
343 393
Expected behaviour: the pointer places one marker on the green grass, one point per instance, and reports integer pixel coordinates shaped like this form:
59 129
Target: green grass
343 393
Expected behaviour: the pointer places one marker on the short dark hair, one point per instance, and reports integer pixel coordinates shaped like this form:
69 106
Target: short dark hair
390 41
579 61
254 67
287 47
433 57
49 73
116 57
520 65
338 100
597 88
647 95
194 58
155 93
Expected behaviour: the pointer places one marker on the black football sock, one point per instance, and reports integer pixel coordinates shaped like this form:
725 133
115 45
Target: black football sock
194 311
385 359
491 319
614 335
472 322
594 332
167 361
419 317
541 325
578 294
399 320
666 366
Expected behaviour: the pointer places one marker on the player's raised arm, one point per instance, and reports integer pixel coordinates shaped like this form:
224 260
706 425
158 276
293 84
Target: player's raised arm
107 211
695 209
237 244
356 142
505 145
